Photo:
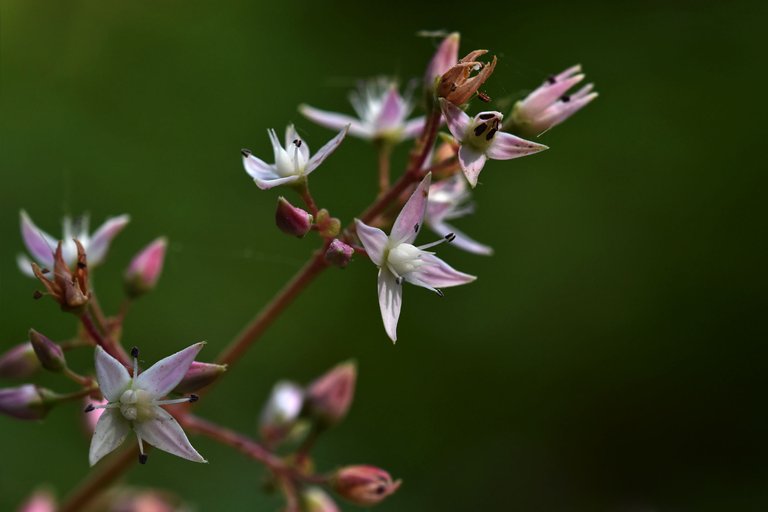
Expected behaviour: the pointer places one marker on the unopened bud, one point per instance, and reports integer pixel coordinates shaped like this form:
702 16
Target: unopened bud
292 220
198 376
50 354
19 362
364 485
339 253
458 85
330 396
25 402
281 412
327 226
317 500
40 501
145 268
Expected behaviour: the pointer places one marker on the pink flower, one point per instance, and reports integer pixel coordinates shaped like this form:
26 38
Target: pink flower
550 104
292 162
479 139
41 245
448 200
143 272
40 501
399 260
134 403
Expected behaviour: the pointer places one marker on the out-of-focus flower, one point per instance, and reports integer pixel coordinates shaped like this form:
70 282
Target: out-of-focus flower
399 260
448 200
281 412
41 245
199 376
145 268
317 500
292 162
550 104
381 113
339 253
292 220
90 420
458 84
446 56
27 402
330 395
134 404
50 354
19 362
40 501
68 287
480 139
364 485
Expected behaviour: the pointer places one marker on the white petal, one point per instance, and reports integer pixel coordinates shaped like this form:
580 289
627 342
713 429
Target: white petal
275 182
374 240
457 119
102 238
390 301
112 376
461 240
111 430
325 151
25 265
290 136
506 146
437 274
336 121
165 433
164 375
471 162
409 220
258 168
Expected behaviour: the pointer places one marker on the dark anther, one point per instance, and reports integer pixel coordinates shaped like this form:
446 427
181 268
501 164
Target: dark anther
565 98
89 408
135 352
551 79
245 152
37 295
479 129
44 270
450 237
381 489
399 280
81 265
194 398
485 117
297 142
439 292
491 134
142 458
416 228
483 96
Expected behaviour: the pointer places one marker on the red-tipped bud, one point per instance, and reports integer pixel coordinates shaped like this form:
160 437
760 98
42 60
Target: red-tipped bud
317 500
198 376
27 402
40 501
292 220
281 412
19 362
364 485
330 396
50 354
339 253
145 268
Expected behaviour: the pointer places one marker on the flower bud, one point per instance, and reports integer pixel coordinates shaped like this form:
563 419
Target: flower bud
327 226
91 418
25 402
458 84
50 354
292 220
330 396
142 274
198 376
317 500
19 362
339 253
40 501
281 412
445 58
363 485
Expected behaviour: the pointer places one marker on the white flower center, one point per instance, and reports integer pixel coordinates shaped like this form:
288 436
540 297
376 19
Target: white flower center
290 161
136 405
404 259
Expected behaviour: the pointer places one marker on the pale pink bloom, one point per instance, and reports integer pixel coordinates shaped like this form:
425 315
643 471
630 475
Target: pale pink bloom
446 56
134 403
144 270
381 113
292 161
448 200
40 501
399 260
41 245
550 104
479 138
281 412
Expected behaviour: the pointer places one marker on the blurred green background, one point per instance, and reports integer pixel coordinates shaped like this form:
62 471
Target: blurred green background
611 356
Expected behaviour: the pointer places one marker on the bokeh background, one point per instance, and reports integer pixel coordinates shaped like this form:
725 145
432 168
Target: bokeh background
611 356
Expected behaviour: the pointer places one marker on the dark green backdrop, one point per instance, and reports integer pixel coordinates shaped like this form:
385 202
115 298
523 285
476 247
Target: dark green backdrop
609 358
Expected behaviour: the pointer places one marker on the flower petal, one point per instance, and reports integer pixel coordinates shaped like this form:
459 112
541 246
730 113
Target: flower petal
39 243
408 222
99 243
461 240
413 128
336 121
112 376
436 273
390 301
257 168
471 162
111 430
165 433
25 265
561 110
548 93
325 151
164 375
290 136
392 110
275 182
374 240
446 56
457 119
506 146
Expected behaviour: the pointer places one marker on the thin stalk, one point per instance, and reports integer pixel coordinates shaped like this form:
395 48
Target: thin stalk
106 343
385 151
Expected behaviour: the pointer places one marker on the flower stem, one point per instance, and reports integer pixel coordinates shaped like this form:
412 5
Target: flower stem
100 478
309 200
384 150
106 343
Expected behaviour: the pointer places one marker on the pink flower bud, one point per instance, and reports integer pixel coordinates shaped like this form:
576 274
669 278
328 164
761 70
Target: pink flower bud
50 354
24 402
330 396
339 253
292 220
317 500
281 412
40 501
142 274
198 376
19 362
364 485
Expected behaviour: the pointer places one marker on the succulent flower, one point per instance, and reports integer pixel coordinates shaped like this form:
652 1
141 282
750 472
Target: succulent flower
448 200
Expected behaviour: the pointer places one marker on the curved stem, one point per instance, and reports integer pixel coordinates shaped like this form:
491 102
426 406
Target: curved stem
104 341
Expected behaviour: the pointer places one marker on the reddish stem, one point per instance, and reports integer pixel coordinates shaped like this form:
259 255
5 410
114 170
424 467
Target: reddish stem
105 342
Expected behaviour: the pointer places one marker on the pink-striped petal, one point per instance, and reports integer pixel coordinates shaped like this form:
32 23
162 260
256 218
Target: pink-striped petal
436 274
408 222
506 146
101 240
164 375
548 93
471 162
561 110
325 151
165 433
392 110
461 240
457 119
112 376
336 121
39 243
390 301
374 241
111 430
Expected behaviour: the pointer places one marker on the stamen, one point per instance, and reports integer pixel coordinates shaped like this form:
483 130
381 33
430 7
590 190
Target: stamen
551 80
194 398
190 398
399 280
565 98
439 292
89 408
482 96
491 134
37 295
245 152
297 142
479 129
416 227
486 117
92 407
447 238
135 354
142 455
143 458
